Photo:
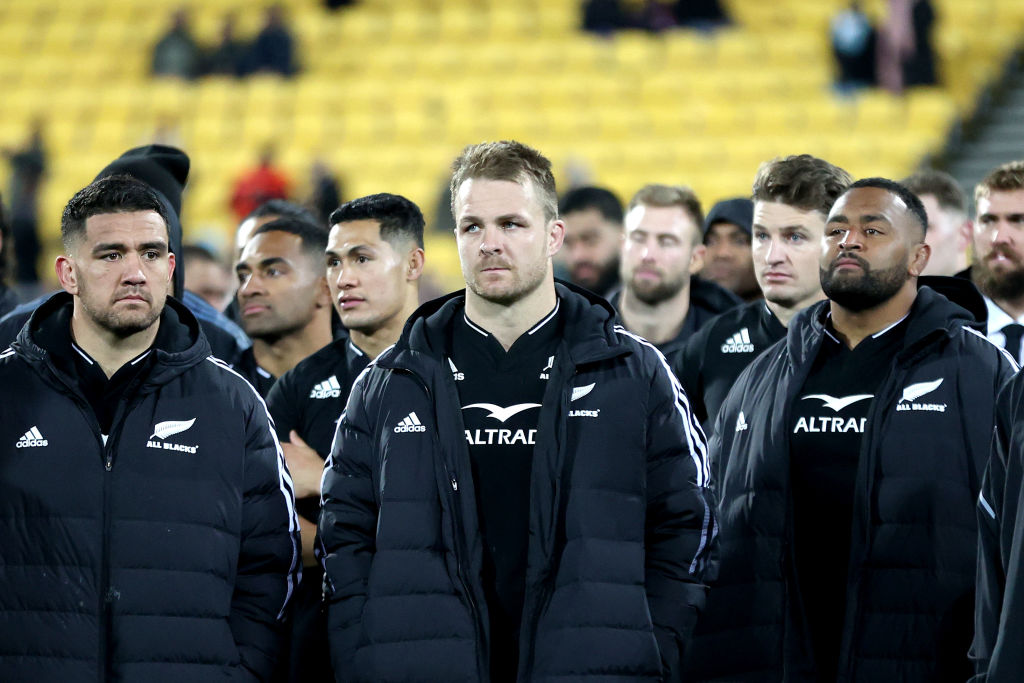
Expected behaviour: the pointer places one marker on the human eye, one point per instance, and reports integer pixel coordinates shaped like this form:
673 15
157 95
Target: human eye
110 256
759 235
471 228
797 237
333 262
151 254
362 258
508 225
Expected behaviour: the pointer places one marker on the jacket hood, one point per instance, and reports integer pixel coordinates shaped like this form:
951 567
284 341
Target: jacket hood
931 317
165 170
179 345
589 326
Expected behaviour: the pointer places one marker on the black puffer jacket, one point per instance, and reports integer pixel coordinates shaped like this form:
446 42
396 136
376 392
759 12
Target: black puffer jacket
999 610
913 541
620 521
164 551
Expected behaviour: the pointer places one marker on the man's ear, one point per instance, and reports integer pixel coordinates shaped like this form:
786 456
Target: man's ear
414 262
697 259
323 293
172 263
556 237
922 252
67 274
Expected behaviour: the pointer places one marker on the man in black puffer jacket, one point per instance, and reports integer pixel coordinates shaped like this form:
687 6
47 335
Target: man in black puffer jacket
147 521
849 457
517 489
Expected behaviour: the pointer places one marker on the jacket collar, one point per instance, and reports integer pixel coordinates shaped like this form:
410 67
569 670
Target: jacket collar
589 323
932 316
179 345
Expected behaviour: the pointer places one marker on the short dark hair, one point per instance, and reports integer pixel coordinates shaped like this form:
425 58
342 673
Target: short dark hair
312 237
398 217
283 209
942 186
111 194
802 181
590 197
507 160
912 201
5 242
197 252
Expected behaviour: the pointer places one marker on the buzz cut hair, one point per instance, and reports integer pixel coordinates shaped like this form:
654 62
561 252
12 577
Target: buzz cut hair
802 181
311 236
666 196
912 201
110 194
944 187
399 218
1006 178
511 161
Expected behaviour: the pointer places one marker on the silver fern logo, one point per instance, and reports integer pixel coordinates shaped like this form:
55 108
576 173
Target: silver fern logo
163 430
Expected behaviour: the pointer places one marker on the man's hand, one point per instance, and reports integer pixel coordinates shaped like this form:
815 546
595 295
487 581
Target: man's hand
305 466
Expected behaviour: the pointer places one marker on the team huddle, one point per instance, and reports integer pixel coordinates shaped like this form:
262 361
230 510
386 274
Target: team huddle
782 449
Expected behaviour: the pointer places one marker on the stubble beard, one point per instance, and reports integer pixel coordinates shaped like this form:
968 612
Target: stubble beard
524 283
656 293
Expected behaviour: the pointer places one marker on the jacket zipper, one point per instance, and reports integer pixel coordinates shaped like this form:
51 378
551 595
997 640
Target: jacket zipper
460 549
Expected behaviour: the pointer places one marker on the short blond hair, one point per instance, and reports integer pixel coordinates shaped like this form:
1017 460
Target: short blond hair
1005 178
507 160
665 196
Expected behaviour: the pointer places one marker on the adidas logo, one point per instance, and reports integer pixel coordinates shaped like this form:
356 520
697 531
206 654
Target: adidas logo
32 439
741 422
738 343
411 423
329 388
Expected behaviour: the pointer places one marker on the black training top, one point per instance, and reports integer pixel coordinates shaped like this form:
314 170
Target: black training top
712 359
501 394
311 397
828 420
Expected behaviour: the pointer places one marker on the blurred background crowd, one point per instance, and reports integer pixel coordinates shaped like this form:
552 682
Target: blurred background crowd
320 101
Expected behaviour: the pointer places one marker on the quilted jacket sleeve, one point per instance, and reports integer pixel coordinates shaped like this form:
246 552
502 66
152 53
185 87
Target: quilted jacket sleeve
1000 546
348 522
681 525
268 562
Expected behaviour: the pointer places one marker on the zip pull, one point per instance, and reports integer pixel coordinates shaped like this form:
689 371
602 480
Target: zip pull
455 486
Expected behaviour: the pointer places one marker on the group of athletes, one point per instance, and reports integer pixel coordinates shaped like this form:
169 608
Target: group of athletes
768 443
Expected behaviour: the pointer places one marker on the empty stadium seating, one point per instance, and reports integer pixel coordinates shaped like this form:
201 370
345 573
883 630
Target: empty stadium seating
391 90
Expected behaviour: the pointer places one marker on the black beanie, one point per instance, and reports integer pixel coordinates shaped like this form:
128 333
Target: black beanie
739 211
163 168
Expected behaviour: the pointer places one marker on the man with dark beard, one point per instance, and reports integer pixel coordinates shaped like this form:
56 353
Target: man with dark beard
850 455
662 299
593 237
998 268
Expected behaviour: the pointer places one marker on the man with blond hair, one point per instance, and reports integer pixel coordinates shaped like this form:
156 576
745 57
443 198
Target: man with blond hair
662 299
998 268
566 536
